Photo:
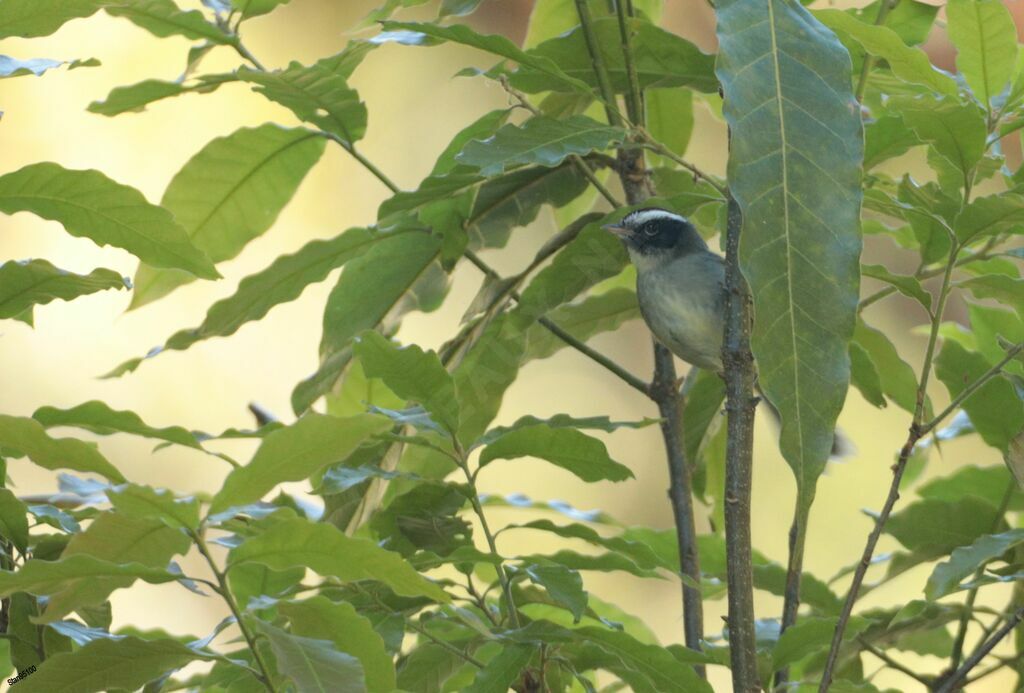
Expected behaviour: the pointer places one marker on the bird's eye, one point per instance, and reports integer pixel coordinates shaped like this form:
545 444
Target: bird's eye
650 231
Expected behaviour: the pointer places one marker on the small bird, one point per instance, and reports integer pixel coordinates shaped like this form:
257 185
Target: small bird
680 286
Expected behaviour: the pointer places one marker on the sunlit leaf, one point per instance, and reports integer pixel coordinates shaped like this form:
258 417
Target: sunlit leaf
30 18
568 448
905 284
163 18
143 501
12 67
933 528
27 436
965 560
564 586
49 577
99 418
36 282
255 8
135 97
593 315
502 671
314 666
986 44
1006 290
956 130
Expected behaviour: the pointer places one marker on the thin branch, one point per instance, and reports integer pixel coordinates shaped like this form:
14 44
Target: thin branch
240 48
366 163
893 664
654 145
1002 663
869 60
952 682
604 84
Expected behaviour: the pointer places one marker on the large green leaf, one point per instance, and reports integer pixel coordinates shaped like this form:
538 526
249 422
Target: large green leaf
795 169
295 453
996 408
563 585
30 18
106 664
314 666
230 193
1007 290
412 374
540 140
986 44
135 97
502 671
329 552
932 528
150 503
50 577
662 59
568 448
955 130
114 538
907 63
99 418
28 437
350 632
595 314
965 560
255 8
989 215
371 288
284 280
317 93
89 204
36 282
164 18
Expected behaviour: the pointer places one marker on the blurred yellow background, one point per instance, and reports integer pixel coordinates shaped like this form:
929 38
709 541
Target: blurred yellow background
415 107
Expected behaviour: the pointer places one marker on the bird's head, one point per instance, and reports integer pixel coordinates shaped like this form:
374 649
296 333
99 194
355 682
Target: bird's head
653 232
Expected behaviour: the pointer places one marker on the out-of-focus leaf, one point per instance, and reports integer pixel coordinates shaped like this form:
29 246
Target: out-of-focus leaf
106 664
864 376
98 417
231 192
541 140
986 483
989 215
254 8
986 45
295 453
114 538
898 380
352 633
808 636
458 8
31 18
885 138
595 314
330 552
481 128
564 586
795 170
905 284
502 671
143 501
956 130
135 97
598 423
27 436
36 282
662 59
576 452
933 528
703 403
423 34
912 20
658 665
317 93
1014 458
164 18
12 67
909 64
964 560
314 666
412 374
13 520
49 577
1006 290
995 409
89 204
670 117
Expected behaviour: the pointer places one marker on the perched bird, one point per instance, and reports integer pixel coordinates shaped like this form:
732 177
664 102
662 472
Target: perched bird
680 286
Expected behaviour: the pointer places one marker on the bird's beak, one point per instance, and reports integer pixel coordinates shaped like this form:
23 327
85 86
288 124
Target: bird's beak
620 231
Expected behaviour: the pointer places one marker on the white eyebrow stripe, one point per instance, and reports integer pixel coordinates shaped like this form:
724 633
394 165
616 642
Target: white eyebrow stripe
642 216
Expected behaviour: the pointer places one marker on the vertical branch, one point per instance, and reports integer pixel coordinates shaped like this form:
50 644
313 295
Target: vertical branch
740 403
794 574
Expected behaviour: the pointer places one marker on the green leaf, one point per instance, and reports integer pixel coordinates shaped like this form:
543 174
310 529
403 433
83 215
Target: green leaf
662 60
597 423
317 93
329 552
481 128
50 577
423 34
576 452
995 409
255 8
115 539
795 170
670 117
540 140
12 67
135 97
27 437
107 664
369 289
911 20
703 405
989 215
1006 290
657 664
502 671
411 374
350 632
159 504
13 520
963 561
314 666
31 18
906 285
89 204
933 528
955 130
593 315
987 483
295 453
885 138
808 636
564 586
907 63
284 280
864 376
98 417
230 193
163 18
36 282
986 45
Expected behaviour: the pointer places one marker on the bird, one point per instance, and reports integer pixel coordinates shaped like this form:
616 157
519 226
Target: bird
680 287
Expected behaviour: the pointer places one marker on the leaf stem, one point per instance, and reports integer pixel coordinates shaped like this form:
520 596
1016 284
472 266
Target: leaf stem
366 163
656 146
794 573
869 60
240 48
952 682
893 664
225 592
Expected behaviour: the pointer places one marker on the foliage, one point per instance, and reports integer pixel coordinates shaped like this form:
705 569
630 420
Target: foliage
407 588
